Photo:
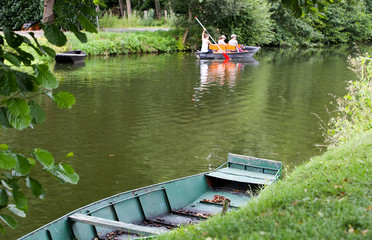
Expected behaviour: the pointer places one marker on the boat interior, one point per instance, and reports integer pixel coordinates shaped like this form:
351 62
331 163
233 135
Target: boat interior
159 208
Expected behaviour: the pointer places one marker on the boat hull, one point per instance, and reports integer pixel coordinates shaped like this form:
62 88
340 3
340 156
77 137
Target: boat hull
158 208
70 56
248 52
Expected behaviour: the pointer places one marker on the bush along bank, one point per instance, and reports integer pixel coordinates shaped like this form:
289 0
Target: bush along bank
329 197
110 43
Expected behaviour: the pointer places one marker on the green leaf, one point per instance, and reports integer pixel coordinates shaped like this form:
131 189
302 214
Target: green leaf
31 161
8 161
11 222
3 118
37 113
13 40
2 229
44 157
35 187
9 83
49 51
79 35
64 99
25 57
25 81
3 198
23 166
12 59
18 122
44 77
87 25
70 154
65 173
20 200
4 147
18 107
13 208
54 35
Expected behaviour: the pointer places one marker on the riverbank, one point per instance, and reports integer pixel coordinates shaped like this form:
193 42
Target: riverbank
115 42
329 197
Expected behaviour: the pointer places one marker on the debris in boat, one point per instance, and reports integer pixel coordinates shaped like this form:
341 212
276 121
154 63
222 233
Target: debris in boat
196 214
216 199
111 235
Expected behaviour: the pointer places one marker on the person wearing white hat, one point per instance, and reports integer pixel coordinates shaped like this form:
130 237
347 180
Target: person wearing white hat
233 40
222 40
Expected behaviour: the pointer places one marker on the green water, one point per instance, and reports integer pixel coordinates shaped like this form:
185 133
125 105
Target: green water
140 120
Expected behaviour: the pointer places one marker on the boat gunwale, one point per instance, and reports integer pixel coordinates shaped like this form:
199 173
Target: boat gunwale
81 209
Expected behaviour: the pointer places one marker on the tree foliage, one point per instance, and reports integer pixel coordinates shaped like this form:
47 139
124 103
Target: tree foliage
13 14
22 80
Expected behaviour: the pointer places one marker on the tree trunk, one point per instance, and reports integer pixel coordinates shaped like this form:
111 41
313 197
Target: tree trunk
187 29
48 14
129 9
121 4
157 9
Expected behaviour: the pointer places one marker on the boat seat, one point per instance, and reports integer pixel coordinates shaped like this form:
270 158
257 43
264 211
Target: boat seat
116 225
239 175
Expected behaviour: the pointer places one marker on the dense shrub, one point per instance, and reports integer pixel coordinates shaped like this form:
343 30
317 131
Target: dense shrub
13 14
251 23
345 22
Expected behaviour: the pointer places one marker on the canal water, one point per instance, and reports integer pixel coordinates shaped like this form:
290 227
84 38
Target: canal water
144 119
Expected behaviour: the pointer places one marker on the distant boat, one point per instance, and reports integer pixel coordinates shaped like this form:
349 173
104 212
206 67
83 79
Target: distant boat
158 208
70 56
231 51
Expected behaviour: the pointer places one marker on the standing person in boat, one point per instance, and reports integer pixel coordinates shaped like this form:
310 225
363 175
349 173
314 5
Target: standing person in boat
205 43
222 40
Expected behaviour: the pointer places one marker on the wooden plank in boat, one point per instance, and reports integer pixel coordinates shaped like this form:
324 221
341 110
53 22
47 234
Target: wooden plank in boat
106 223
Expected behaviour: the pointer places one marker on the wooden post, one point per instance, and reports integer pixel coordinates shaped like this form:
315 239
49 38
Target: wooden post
145 14
226 205
165 14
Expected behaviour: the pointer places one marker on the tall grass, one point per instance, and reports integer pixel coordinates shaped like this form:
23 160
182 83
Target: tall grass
353 114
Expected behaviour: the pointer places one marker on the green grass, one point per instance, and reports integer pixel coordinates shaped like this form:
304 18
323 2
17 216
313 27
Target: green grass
108 43
113 43
330 197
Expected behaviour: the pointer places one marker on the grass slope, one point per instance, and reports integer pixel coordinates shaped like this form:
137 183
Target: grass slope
330 197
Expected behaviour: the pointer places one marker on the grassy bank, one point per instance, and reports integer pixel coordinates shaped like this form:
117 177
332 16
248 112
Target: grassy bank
112 43
329 197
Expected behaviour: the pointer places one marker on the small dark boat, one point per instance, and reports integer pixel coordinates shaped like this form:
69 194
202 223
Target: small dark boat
70 56
231 51
158 208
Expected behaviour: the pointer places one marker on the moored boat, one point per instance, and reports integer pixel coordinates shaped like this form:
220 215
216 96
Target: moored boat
231 51
70 56
158 208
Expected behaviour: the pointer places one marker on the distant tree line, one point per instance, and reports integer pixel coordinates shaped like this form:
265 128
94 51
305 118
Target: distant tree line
260 22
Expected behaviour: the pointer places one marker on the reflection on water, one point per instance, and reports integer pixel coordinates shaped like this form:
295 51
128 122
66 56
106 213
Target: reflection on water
220 72
68 66
140 120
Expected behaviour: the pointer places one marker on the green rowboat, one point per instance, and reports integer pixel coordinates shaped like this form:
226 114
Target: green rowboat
158 208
